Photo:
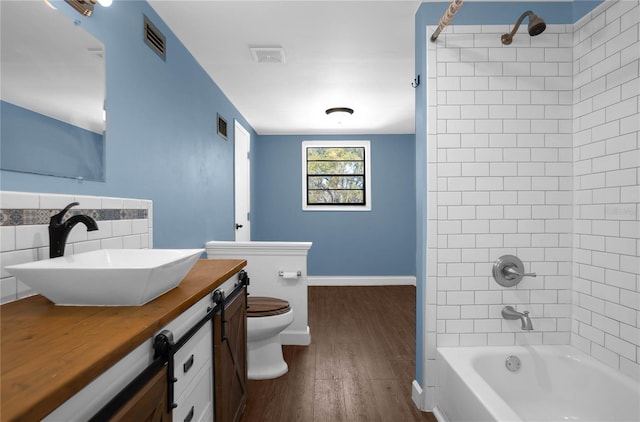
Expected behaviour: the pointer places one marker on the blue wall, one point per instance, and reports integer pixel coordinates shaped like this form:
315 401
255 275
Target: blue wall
161 140
421 187
379 242
33 142
471 13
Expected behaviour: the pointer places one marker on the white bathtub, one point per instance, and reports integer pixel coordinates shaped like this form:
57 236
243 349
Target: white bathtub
554 383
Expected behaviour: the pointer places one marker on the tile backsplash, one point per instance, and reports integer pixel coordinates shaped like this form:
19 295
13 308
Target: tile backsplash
24 219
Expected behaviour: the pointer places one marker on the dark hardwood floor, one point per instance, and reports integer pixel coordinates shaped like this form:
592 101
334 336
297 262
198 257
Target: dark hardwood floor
359 366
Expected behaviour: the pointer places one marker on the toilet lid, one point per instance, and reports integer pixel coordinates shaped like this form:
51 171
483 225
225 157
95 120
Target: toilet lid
260 306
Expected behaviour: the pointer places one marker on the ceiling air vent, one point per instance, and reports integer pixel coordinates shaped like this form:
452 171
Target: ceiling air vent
267 54
154 39
84 7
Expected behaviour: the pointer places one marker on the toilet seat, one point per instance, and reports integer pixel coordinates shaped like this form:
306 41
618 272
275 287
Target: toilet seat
262 306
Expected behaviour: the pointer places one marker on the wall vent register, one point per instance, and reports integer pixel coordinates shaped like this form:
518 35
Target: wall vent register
155 39
222 127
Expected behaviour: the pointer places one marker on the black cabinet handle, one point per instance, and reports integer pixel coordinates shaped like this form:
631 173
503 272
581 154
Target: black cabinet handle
188 364
189 415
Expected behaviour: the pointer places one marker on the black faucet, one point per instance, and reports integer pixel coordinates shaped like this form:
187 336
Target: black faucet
59 231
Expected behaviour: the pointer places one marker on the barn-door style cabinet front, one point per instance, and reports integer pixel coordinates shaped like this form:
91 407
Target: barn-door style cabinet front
230 357
149 404
199 369
207 367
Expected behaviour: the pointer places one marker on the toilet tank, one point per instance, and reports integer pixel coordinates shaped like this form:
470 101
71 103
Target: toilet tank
276 269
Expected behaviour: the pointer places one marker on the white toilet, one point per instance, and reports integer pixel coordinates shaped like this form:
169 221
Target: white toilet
266 318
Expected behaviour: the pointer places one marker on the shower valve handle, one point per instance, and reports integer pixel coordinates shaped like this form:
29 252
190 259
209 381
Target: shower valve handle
508 271
512 272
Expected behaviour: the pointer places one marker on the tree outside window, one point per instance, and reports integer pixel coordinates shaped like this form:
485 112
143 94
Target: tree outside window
336 175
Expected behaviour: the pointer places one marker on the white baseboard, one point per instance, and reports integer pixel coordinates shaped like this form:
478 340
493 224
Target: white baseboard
296 337
425 401
361 281
440 417
416 394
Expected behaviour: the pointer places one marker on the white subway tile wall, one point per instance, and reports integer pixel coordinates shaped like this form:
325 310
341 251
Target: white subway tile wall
606 266
533 151
502 154
22 243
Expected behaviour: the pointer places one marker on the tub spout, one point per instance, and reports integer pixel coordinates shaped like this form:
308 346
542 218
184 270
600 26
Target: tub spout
526 322
509 313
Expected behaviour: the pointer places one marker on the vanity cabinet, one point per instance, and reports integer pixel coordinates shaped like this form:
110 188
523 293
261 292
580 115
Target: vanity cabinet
193 388
230 353
207 349
102 362
149 404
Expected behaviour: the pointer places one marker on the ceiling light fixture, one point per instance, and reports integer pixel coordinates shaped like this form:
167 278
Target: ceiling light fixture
339 113
85 7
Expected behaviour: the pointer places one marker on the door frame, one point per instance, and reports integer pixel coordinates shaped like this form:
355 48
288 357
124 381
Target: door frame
242 182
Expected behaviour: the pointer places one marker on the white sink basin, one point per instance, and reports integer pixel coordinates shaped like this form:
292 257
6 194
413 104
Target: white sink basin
108 277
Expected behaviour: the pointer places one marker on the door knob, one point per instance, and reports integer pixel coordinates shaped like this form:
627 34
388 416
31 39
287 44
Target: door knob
239 226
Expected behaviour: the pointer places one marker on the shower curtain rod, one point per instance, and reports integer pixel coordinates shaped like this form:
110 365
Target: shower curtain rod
446 19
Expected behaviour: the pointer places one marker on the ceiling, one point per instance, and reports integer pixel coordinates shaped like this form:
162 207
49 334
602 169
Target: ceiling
357 54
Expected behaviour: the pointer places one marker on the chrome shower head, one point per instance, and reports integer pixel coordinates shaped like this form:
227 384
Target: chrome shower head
536 27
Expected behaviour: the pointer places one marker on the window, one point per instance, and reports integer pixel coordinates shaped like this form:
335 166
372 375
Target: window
336 175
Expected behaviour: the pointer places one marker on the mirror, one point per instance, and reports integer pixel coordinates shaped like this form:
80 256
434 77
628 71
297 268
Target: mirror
53 94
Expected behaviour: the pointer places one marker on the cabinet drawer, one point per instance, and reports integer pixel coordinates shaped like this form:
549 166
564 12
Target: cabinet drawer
195 404
191 357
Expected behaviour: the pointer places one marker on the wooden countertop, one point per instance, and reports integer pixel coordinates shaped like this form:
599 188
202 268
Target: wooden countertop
48 353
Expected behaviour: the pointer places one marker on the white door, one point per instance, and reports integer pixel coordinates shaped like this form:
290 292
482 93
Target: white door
242 140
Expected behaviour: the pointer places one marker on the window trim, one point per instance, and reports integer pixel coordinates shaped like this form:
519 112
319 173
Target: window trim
367 175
